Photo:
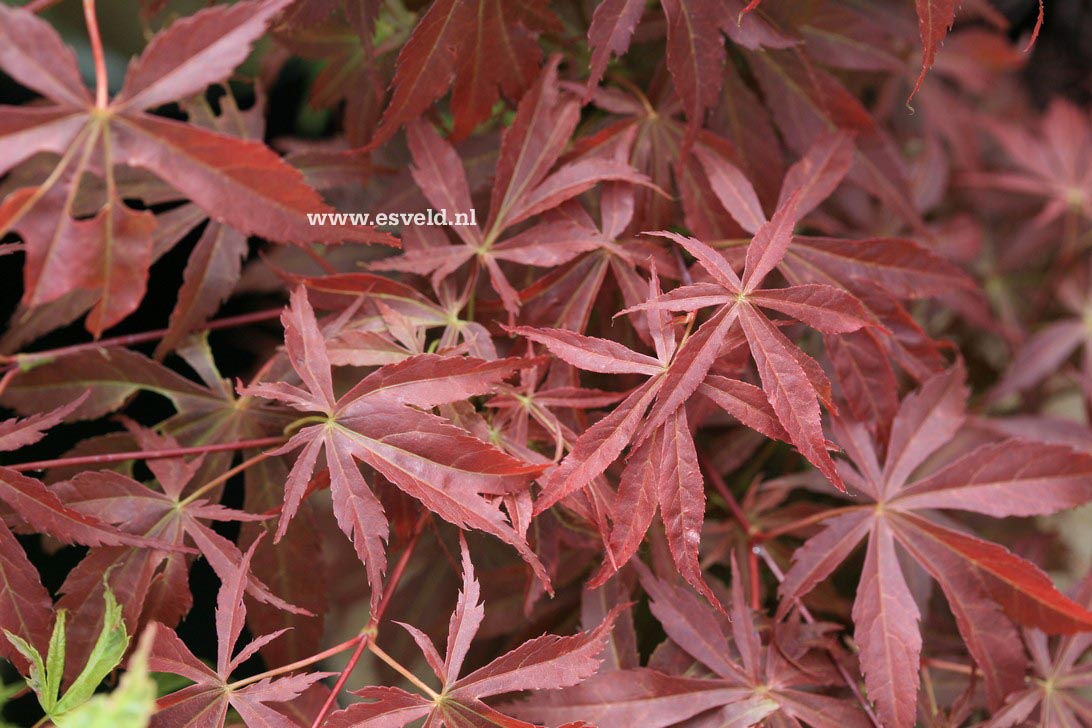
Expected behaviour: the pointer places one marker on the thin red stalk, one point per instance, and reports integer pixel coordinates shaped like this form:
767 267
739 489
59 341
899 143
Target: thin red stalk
834 657
319 260
369 631
403 671
142 337
733 504
948 666
227 475
37 6
6 379
174 452
263 370
806 521
753 534
297 665
102 81
752 561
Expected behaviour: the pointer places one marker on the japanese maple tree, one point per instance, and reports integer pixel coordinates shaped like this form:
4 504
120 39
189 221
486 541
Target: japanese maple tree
467 363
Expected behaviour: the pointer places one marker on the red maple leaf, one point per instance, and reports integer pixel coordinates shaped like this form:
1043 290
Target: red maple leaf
545 663
24 602
107 249
731 678
481 47
985 584
151 583
205 703
794 383
1060 674
524 187
383 422
662 469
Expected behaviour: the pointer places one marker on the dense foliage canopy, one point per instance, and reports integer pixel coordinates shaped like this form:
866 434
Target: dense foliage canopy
727 365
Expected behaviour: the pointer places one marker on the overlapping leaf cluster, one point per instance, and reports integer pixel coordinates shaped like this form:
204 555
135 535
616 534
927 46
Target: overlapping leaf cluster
733 398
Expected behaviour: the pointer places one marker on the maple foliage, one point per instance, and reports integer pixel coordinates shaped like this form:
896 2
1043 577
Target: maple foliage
689 378
547 662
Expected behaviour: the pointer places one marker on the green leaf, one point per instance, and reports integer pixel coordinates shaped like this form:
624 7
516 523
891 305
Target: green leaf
36 680
105 656
130 706
54 667
45 677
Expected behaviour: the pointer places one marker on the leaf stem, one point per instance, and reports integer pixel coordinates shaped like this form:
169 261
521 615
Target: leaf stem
806 521
753 533
752 566
401 670
6 379
140 338
37 6
370 630
948 666
173 452
225 476
297 665
102 81
733 505
311 252
834 657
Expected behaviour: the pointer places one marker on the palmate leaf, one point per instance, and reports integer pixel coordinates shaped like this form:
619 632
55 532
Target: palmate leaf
661 471
794 383
1047 163
526 184
382 422
239 183
740 681
1055 694
479 48
26 609
984 583
151 583
205 703
205 412
546 663
45 675
695 45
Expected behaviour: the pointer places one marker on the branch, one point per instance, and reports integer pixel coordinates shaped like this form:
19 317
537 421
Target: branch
369 631
173 452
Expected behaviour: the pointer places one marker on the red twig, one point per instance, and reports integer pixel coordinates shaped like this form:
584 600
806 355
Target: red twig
369 631
141 338
733 504
6 379
174 452
297 665
754 535
37 6
811 520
